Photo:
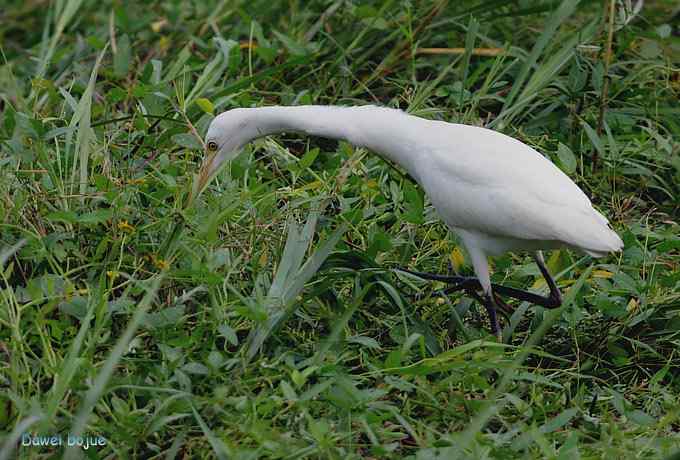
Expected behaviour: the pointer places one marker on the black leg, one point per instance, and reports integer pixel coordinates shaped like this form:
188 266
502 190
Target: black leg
504 308
554 300
494 302
555 296
491 309
500 305
491 303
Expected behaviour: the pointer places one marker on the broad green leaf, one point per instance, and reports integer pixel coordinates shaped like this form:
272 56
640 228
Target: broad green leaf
567 158
293 46
228 333
640 417
187 140
205 105
96 217
414 204
63 216
309 157
170 316
195 369
594 138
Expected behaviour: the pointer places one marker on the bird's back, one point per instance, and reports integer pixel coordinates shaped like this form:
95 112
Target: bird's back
490 183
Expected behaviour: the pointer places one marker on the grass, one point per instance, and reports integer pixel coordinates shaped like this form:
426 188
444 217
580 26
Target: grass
261 318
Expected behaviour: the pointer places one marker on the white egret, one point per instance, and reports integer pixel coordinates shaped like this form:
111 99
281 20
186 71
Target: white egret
495 192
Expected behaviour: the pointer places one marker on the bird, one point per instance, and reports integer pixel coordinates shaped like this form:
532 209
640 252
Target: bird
495 192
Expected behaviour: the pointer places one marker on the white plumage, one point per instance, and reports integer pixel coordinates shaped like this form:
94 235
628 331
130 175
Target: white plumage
497 193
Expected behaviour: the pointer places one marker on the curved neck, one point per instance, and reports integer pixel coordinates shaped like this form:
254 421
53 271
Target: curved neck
388 132
331 122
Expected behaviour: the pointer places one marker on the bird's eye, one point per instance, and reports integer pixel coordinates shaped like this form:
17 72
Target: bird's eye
212 146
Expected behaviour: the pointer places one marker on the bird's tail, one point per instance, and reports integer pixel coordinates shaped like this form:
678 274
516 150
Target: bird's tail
600 239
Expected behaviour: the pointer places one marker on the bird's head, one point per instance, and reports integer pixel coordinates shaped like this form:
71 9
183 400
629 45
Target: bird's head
227 134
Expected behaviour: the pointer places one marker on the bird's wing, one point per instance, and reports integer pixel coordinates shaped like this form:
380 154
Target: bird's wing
488 182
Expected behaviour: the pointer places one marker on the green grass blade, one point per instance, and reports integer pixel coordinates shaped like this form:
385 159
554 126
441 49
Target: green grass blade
482 418
85 135
9 252
220 450
212 72
67 13
560 15
99 385
543 76
339 325
279 308
470 37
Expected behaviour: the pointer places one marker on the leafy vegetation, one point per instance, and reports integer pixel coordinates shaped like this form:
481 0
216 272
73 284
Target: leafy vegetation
261 319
